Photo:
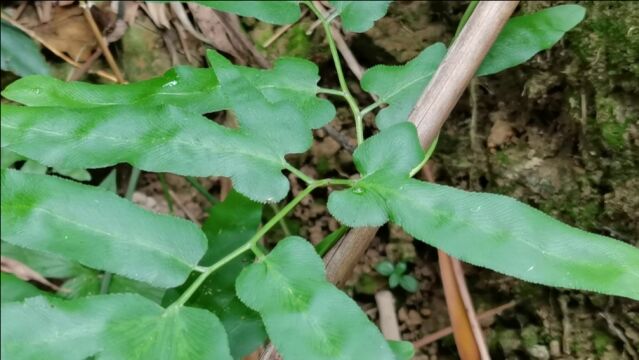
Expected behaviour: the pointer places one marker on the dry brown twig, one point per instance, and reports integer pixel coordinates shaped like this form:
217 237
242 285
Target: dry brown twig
439 334
102 43
51 48
23 272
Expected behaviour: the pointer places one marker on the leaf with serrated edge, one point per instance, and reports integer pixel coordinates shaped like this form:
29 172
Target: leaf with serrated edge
273 12
97 229
400 86
306 316
524 36
229 225
291 79
488 230
109 327
166 138
359 16
19 54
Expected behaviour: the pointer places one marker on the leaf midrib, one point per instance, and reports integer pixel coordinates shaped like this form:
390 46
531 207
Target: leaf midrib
117 238
215 150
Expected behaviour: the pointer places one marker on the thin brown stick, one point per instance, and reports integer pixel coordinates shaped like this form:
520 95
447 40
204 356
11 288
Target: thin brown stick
478 335
20 10
282 30
77 73
182 207
102 43
432 109
462 330
458 67
468 335
439 334
51 48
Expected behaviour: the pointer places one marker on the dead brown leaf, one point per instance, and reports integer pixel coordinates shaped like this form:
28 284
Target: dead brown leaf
68 32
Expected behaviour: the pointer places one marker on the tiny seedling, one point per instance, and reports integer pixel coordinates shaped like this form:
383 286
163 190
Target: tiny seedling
141 285
396 276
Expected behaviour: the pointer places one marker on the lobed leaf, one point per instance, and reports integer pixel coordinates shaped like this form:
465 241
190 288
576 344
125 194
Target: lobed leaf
290 291
97 229
291 79
488 230
359 16
19 54
229 225
274 12
163 134
109 327
524 36
401 86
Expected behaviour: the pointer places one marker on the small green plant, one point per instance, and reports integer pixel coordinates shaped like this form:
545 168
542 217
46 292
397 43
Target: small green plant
396 276
175 291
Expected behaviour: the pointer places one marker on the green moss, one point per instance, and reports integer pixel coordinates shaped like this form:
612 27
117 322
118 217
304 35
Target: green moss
298 43
601 341
608 43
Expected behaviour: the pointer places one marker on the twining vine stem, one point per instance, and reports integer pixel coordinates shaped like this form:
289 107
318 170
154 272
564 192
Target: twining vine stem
251 244
359 125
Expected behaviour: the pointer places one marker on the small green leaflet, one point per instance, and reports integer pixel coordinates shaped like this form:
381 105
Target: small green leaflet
306 316
274 12
403 350
19 54
117 327
359 16
479 228
401 86
521 38
524 36
97 229
163 133
14 289
229 225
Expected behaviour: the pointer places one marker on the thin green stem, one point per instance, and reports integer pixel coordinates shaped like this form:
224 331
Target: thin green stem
251 244
283 225
197 186
133 182
165 191
186 295
297 172
322 90
427 156
372 107
359 126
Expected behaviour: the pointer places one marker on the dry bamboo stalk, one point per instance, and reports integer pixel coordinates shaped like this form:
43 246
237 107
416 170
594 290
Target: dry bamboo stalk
432 109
